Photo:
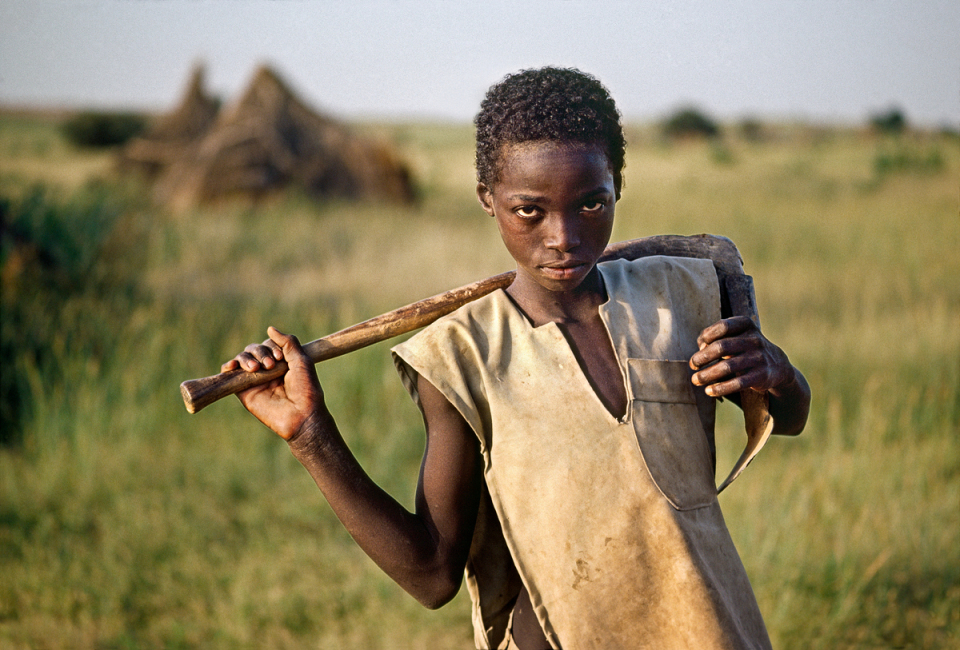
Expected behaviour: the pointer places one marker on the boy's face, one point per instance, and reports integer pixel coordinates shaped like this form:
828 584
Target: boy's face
554 206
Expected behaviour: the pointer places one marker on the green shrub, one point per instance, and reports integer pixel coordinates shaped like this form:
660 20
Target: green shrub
50 255
908 160
690 122
92 129
891 122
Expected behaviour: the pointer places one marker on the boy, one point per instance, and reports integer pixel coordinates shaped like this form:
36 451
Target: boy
568 469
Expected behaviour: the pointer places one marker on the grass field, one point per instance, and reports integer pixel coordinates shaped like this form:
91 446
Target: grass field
127 523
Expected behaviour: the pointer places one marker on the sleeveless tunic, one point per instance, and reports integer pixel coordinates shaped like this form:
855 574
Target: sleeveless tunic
613 525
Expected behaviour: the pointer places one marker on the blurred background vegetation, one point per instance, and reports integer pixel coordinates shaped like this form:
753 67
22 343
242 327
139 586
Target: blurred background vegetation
125 522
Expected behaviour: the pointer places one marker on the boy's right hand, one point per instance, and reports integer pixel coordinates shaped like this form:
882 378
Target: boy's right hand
286 403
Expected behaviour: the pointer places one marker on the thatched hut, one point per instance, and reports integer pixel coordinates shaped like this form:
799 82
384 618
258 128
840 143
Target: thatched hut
171 133
270 140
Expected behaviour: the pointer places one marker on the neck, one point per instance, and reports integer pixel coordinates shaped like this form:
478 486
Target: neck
574 306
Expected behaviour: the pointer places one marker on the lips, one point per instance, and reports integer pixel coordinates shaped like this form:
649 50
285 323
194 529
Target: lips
563 270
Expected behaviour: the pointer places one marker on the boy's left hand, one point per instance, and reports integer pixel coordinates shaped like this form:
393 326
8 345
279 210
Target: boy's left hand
734 356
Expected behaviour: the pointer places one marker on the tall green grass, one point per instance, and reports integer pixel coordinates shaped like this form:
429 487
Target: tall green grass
125 522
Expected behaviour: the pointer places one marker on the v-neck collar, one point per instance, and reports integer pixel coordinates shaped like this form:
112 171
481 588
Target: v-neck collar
567 348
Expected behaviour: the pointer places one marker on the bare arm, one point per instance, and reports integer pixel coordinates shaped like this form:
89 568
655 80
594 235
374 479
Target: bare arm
425 551
734 356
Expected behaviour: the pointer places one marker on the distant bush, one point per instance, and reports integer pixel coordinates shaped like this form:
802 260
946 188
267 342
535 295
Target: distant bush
908 160
690 122
891 122
752 129
92 129
50 256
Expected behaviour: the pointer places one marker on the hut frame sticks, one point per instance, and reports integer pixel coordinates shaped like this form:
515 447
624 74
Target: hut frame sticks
265 142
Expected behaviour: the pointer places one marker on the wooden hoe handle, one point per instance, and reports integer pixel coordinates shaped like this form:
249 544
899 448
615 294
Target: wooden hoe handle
738 288
198 393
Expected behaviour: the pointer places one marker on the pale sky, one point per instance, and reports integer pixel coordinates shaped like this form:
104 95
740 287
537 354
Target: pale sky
817 60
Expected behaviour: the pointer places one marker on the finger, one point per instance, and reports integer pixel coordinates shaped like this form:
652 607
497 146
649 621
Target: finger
252 362
276 351
265 354
266 349
736 365
723 388
733 385
712 374
724 328
722 349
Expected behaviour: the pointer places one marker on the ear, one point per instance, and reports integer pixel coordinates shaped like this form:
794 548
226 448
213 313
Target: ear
485 196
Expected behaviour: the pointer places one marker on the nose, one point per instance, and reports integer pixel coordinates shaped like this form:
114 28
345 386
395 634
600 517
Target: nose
563 232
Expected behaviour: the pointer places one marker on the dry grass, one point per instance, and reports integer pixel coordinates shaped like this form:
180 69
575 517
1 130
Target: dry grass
124 522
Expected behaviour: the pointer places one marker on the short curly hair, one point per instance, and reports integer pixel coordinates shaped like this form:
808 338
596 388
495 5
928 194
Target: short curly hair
555 104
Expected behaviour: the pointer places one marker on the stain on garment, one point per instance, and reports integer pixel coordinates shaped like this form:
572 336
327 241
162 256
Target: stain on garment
581 573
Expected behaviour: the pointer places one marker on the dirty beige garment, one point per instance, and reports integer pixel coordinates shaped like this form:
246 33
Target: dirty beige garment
613 525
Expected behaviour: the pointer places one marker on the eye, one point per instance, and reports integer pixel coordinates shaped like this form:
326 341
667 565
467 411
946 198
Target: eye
594 206
527 212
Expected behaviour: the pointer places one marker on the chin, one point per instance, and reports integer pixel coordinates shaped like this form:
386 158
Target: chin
561 286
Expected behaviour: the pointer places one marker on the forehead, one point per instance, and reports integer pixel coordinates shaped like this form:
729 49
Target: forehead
547 162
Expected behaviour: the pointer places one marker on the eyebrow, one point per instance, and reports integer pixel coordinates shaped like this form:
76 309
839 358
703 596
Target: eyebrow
533 198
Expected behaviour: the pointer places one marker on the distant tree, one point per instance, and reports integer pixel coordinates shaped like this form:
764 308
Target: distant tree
688 122
892 121
751 129
93 129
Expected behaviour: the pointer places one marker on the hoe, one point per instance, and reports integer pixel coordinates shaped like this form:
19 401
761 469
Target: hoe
736 292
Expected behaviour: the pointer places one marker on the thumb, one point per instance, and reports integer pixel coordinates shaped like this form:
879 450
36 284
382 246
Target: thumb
285 341
290 344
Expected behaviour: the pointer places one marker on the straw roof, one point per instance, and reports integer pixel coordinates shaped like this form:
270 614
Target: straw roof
267 141
163 143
